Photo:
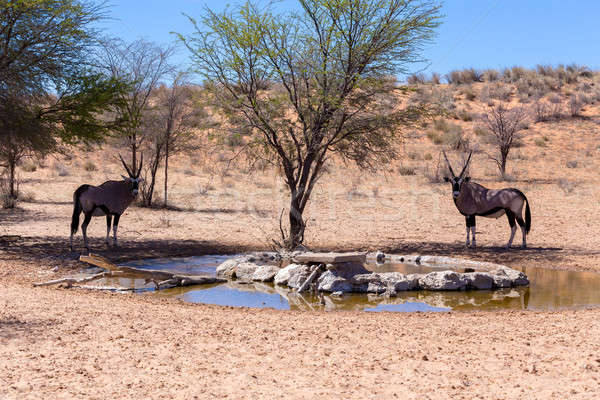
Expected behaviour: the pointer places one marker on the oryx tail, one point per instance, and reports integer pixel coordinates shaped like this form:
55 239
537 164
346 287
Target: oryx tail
77 208
527 210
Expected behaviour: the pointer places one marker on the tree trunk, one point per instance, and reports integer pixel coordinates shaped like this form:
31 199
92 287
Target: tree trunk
12 165
297 226
166 170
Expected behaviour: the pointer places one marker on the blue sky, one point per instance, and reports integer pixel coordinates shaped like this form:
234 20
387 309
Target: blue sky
474 33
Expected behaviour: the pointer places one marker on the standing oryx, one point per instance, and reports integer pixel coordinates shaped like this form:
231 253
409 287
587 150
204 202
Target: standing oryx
472 200
110 198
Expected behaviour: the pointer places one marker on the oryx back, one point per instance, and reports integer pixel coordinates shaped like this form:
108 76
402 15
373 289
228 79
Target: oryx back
114 196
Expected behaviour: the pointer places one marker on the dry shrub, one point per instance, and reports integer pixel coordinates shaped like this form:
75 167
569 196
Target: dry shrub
29 167
576 104
542 110
567 186
491 75
60 169
572 164
435 171
465 115
435 78
497 91
89 166
416 79
465 76
406 170
441 97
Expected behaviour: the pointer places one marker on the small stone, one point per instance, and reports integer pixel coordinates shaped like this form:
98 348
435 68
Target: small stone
338 293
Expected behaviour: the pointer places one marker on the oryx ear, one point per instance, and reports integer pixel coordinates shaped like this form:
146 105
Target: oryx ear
140 180
125 178
467 178
446 179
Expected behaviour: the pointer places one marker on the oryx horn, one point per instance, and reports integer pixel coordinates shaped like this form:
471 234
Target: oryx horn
466 165
448 162
126 167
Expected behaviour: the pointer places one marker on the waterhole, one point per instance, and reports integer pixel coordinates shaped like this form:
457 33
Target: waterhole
548 290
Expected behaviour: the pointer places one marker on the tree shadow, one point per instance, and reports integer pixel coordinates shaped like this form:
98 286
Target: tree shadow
12 327
19 215
496 254
55 249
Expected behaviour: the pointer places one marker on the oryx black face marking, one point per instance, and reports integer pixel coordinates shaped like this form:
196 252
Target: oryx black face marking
110 199
472 199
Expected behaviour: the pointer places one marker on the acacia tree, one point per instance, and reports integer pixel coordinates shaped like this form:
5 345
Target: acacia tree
314 83
170 128
49 91
143 64
504 125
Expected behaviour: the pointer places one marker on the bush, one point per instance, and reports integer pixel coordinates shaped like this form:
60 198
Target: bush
60 169
541 141
435 137
465 115
491 75
406 171
543 111
572 164
416 79
461 77
89 166
498 91
576 104
29 167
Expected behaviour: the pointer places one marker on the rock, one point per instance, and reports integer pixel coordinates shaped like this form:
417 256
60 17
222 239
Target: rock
245 271
517 278
479 280
442 280
298 277
337 294
501 279
227 268
380 257
329 281
265 273
332 258
348 269
399 282
370 283
283 276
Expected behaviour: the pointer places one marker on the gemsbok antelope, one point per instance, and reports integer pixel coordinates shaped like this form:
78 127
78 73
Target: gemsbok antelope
472 199
111 199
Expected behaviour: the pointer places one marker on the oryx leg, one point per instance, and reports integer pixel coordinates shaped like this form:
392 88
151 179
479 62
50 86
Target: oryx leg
115 226
467 220
84 225
470 222
513 228
523 231
108 224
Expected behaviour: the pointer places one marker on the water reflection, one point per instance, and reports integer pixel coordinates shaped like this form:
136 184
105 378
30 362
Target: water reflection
549 290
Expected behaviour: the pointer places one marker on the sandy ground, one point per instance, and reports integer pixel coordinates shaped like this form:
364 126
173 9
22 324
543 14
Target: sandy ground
57 343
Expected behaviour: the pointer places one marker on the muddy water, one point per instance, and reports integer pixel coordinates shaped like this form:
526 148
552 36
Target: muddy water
549 290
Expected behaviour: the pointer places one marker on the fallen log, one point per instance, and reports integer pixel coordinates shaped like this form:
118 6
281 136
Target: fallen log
161 279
